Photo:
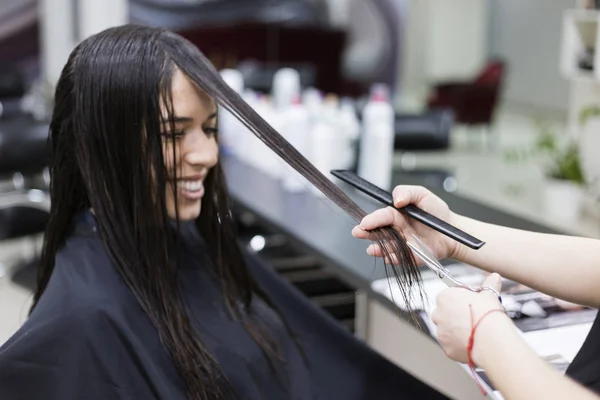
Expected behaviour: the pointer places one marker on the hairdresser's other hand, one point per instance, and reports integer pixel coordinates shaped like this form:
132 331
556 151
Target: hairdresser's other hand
452 318
442 246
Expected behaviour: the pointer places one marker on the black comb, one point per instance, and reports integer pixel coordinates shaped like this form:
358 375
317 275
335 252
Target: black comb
411 210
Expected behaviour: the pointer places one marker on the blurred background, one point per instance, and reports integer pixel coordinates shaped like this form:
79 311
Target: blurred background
492 104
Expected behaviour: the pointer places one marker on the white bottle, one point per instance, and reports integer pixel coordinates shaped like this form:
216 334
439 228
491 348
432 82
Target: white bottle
247 140
230 129
286 87
330 108
330 112
323 149
350 129
313 102
377 141
264 158
296 129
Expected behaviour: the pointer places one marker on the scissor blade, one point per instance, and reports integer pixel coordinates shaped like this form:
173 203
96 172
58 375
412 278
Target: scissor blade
440 273
425 250
433 266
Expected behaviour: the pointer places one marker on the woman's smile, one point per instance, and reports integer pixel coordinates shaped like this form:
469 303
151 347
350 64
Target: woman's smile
191 188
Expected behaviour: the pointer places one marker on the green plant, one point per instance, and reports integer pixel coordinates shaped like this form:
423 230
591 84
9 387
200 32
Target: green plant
562 161
588 112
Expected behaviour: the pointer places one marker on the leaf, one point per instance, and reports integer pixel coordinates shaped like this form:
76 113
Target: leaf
588 112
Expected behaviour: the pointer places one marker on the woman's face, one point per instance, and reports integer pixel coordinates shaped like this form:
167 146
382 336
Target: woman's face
196 150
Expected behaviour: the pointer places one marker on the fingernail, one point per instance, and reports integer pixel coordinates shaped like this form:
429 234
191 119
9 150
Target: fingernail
370 250
397 200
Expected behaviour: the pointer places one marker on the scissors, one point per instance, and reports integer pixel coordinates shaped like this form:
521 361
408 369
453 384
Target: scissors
442 272
433 222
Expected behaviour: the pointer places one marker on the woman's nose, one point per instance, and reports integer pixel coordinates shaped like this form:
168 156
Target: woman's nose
202 152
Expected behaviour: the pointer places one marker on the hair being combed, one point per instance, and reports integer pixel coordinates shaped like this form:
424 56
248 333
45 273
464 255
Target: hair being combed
106 153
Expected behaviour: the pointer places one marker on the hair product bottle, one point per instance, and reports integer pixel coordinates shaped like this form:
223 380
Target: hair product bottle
377 140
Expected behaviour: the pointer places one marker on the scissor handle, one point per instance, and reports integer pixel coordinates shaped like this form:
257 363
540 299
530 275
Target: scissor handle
491 289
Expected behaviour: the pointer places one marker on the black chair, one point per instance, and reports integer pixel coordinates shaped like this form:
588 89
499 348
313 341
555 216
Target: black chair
423 132
13 87
24 203
22 147
429 131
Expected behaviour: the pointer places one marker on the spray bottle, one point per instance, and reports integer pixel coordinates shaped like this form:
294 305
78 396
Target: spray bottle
296 128
230 129
377 141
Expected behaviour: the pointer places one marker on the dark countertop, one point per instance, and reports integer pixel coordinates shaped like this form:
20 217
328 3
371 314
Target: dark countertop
314 223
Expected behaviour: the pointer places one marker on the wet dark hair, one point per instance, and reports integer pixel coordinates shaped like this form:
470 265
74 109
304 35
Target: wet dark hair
107 154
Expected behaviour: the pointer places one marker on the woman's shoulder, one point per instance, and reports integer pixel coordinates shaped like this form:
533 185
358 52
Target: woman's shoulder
83 298
84 288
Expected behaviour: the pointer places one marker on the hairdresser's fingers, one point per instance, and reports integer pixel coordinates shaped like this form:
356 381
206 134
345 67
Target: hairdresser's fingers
379 218
389 257
435 316
361 233
393 260
408 194
376 251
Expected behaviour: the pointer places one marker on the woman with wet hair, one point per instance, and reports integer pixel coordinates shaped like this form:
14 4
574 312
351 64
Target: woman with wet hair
143 290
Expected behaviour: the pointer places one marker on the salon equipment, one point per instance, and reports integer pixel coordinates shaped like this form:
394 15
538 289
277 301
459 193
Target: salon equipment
473 102
184 14
259 50
423 132
376 154
410 210
24 202
22 147
13 87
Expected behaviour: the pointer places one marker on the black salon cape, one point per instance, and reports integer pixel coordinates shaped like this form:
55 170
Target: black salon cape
585 367
88 339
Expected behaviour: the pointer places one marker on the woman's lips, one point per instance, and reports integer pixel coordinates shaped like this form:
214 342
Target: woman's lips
191 189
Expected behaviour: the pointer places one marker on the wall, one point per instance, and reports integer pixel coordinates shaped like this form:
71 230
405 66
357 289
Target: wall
528 35
442 40
458 42
60 34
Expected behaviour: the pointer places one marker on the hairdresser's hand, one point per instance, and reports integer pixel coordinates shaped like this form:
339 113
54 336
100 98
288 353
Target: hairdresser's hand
442 246
452 317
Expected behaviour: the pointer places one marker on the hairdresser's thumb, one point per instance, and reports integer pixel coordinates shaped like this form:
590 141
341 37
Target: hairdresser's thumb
493 281
404 195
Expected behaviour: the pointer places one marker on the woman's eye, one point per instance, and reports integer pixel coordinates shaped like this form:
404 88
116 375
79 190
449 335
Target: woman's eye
173 135
211 131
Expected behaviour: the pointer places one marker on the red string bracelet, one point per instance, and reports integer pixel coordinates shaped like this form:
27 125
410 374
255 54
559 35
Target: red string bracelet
471 343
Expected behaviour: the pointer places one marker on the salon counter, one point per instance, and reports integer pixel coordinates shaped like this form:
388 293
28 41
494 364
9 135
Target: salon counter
321 229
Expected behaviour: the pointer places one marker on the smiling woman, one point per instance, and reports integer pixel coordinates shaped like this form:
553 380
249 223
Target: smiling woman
190 147
143 291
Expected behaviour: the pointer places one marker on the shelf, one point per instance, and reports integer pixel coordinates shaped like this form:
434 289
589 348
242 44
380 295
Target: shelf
583 15
579 33
582 76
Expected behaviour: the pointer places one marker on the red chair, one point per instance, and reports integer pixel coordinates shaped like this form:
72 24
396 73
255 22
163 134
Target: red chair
320 48
473 103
